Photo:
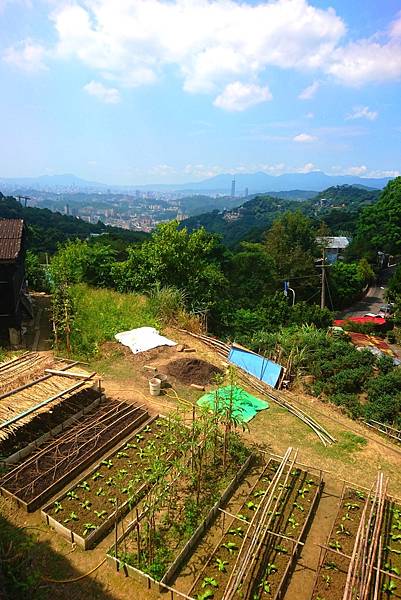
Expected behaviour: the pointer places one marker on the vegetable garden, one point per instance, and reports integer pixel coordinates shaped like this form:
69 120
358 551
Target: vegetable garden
38 478
362 559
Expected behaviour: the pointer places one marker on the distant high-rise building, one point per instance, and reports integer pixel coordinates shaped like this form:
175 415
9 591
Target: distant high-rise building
246 193
233 188
66 209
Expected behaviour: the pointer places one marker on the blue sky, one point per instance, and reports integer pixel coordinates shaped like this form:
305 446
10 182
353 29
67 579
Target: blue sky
146 91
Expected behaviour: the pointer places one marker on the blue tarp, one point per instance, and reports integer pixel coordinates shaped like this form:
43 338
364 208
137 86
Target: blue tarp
259 366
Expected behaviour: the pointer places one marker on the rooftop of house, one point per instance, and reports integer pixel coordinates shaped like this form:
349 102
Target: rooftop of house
11 232
336 242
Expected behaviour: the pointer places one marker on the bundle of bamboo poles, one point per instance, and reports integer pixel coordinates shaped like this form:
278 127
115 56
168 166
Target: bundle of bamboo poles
20 405
21 369
279 397
391 432
364 571
251 552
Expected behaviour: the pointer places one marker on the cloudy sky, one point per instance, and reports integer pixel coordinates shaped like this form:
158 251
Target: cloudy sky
141 91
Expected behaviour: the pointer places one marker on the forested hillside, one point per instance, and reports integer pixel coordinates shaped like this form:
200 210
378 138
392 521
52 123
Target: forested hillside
338 207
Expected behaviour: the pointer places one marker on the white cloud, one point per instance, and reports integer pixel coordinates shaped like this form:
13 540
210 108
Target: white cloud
131 42
103 93
362 112
306 168
303 138
310 115
238 96
358 170
367 61
309 92
27 56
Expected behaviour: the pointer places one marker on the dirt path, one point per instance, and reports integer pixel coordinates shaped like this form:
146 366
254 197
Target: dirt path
303 579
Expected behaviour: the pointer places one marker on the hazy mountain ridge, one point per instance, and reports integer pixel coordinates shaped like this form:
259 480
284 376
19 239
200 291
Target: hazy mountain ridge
254 182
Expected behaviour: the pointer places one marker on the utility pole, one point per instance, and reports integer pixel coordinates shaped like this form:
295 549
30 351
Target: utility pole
323 290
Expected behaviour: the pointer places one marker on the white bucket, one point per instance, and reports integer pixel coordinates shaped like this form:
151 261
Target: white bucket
162 378
154 386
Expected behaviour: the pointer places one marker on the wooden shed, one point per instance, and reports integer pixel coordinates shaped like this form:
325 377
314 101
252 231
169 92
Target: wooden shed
14 300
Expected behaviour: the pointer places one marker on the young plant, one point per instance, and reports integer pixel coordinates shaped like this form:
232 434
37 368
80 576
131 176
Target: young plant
330 566
237 531
251 505
72 517
388 567
351 505
97 476
270 569
89 527
100 492
281 549
221 564
206 594
298 506
346 517
58 507
342 530
327 580
335 544
110 481
265 585
100 513
113 501
231 547
72 495
294 524
259 493
86 504
122 454
209 581
85 486
389 587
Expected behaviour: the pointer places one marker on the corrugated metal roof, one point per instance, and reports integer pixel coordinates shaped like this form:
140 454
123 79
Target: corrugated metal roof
340 242
10 238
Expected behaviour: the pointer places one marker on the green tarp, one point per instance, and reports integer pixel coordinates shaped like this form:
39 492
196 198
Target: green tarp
245 406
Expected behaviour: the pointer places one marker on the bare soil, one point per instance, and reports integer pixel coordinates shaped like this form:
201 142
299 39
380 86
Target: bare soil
193 370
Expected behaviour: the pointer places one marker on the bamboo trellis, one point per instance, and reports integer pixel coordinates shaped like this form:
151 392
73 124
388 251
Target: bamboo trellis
279 397
19 406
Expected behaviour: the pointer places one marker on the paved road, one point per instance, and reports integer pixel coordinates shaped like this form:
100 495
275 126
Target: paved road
373 300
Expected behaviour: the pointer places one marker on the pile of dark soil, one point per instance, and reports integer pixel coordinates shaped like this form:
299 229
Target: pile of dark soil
192 370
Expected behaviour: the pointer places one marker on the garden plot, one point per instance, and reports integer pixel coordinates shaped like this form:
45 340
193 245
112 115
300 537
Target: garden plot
256 552
87 511
38 478
181 507
362 558
48 424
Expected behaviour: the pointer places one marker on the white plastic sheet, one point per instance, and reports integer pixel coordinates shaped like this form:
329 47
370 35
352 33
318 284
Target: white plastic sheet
142 339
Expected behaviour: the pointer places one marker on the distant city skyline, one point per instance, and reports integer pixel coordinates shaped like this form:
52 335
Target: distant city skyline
131 92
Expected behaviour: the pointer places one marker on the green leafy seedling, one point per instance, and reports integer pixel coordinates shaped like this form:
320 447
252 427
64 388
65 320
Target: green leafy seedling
85 486
231 547
327 580
100 492
221 564
86 504
122 473
237 531
270 569
259 493
209 581
388 567
351 505
72 495
298 506
342 530
97 476
346 517
72 517
100 513
335 544
294 524
107 463
281 549
110 481
360 495
122 454
113 501
330 566
389 587
265 585
206 594
251 505
89 527
58 507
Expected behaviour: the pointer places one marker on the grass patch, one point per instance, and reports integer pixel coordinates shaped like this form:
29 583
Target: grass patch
347 444
101 313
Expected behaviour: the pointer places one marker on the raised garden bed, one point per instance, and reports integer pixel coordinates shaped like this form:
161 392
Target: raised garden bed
87 511
271 549
169 536
45 425
38 478
336 556
19 446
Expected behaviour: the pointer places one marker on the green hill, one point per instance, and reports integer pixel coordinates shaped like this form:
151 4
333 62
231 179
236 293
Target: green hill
337 206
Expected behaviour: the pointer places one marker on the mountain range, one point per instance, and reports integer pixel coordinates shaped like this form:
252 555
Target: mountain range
253 182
